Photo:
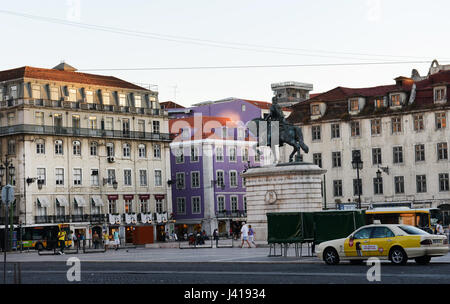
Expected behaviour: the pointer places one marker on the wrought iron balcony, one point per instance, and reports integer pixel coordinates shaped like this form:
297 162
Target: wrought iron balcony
61 218
80 218
82 132
15 220
98 218
43 219
231 214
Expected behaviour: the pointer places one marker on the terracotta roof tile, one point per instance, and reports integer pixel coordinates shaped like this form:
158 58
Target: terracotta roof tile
67 76
337 99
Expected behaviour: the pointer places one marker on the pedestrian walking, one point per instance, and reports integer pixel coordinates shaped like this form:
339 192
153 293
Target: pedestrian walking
216 237
244 235
251 235
439 228
74 240
95 239
62 241
105 240
83 239
116 239
78 240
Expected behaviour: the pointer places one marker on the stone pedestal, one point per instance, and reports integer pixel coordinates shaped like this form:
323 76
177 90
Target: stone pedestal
291 187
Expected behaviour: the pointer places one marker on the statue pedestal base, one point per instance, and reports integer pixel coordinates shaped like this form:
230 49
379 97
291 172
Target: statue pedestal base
289 187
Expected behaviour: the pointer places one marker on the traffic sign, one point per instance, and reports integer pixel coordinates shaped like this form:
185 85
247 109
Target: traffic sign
8 194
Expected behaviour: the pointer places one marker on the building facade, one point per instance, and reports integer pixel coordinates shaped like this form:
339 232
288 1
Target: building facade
90 151
207 189
399 130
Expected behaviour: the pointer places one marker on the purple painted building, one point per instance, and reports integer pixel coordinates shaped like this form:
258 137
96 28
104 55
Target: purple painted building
208 155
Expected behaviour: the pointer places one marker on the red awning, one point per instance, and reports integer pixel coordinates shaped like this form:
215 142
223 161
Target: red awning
113 197
144 196
159 196
128 196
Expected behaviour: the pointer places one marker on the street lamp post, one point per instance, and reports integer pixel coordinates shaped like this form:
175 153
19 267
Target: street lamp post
357 164
9 173
8 169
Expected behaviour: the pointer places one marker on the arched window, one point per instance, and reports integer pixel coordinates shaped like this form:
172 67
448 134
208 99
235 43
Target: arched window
93 148
40 146
76 147
110 149
59 147
126 150
142 151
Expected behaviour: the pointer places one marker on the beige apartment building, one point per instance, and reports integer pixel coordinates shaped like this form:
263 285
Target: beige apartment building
90 151
401 132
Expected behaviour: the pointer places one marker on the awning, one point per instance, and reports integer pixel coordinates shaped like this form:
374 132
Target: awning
144 196
62 201
98 202
43 202
159 196
128 197
113 197
79 200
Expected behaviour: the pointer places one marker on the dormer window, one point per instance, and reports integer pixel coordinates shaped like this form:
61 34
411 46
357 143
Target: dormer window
379 102
440 94
395 100
89 96
186 133
315 109
138 101
354 104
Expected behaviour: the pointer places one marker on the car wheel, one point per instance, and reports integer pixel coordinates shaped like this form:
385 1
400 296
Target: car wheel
330 256
398 256
423 260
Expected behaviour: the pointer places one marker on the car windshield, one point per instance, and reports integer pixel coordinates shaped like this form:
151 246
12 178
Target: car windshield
413 230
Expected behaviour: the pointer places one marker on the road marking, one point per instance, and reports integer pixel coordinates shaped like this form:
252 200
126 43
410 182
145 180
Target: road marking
253 273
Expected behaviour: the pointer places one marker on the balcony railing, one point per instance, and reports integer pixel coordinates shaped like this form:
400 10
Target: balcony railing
82 132
231 214
97 218
43 219
80 105
15 220
61 218
80 218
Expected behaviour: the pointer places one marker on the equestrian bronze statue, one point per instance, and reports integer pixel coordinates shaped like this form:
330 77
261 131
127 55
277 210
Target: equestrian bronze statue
279 131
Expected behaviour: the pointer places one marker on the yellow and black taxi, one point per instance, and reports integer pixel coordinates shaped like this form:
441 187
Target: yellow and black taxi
398 243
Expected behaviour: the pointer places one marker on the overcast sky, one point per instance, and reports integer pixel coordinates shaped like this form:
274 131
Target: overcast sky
228 33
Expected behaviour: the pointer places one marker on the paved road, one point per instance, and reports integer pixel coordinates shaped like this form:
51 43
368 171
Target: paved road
229 255
213 266
228 273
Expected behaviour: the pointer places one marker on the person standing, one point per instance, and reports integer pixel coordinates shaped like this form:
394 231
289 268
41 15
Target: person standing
116 239
251 235
95 239
216 237
244 235
62 241
74 240
105 240
439 228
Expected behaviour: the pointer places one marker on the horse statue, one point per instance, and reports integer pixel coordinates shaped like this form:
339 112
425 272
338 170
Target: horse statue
287 133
